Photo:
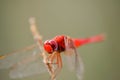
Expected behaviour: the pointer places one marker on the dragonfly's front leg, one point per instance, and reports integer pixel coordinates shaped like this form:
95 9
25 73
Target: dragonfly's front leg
59 65
50 63
55 64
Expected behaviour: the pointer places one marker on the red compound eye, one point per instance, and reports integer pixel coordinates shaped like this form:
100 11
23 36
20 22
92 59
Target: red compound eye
48 47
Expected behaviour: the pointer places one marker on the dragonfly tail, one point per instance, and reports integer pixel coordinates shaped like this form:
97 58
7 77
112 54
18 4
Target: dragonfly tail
94 39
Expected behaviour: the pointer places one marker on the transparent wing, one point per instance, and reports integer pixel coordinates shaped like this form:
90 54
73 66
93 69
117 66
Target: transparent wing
79 65
72 58
27 61
9 59
24 64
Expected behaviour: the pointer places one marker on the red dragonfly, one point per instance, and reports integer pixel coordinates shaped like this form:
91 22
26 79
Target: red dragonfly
63 43
34 59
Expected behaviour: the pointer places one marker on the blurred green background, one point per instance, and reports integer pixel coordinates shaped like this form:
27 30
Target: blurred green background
76 18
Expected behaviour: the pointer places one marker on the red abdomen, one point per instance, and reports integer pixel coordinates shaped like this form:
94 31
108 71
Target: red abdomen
81 41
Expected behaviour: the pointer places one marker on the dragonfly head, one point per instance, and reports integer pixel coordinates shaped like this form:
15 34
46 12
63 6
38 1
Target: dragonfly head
50 46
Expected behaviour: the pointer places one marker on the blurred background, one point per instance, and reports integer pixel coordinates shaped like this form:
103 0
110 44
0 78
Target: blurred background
76 18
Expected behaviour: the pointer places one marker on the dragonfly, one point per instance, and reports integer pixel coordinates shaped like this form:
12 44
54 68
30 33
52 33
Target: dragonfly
46 56
68 45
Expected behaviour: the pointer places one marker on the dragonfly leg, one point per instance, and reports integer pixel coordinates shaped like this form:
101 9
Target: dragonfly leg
51 58
51 64
59 65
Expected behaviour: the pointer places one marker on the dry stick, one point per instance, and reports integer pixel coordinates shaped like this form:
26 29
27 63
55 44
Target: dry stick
38 39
